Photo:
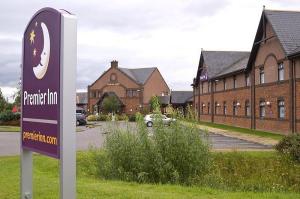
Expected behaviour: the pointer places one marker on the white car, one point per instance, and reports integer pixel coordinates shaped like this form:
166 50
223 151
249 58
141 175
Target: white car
149 119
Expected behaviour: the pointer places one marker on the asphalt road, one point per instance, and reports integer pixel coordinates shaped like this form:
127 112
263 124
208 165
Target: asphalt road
94 137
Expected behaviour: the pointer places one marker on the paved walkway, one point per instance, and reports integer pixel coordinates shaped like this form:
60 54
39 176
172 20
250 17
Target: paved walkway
241 136
94 137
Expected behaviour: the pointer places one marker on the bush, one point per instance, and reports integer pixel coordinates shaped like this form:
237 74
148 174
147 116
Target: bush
92 118
175 154
131 118
290 145
103 117
122 117
9 116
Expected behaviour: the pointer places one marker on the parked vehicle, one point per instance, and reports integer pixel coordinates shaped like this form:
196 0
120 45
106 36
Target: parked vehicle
80 119
150 118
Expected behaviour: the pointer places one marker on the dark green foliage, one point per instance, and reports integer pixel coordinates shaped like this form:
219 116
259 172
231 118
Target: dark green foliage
9 116
9 106
122 117
290 145
111 104
131 118
2 102
103 117
155 104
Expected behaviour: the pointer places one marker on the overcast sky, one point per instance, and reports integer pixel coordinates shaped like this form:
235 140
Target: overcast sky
167 34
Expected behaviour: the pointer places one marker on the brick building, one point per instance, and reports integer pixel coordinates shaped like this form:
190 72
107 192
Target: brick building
258 89
132 87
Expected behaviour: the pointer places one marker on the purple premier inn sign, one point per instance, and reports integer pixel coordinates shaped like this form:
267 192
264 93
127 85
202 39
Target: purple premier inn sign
41 83
48 96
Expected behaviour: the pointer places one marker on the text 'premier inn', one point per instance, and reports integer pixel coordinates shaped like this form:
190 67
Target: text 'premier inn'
40 98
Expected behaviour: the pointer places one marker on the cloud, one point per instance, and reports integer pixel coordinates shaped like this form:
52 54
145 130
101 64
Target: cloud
166 34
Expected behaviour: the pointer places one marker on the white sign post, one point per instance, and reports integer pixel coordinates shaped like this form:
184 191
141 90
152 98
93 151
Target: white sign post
68 107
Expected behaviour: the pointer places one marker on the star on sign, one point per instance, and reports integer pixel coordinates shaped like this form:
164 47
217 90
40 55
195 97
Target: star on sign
34 52
32 35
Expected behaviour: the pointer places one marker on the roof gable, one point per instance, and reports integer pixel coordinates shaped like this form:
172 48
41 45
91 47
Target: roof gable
217 63
286 27
139 75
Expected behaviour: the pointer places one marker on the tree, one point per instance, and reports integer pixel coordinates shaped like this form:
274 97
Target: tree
2 102
17 101
155 104
111 104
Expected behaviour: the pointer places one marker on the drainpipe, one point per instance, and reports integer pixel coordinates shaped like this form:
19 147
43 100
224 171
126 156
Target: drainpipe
253 104
292 96
199 101
212 101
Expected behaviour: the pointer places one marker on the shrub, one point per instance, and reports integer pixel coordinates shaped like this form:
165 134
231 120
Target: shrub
290 145
92 118
175 154
122 117
131 118
9 116
103 117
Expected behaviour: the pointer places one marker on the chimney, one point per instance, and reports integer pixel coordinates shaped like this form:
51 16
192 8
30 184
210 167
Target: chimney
114 64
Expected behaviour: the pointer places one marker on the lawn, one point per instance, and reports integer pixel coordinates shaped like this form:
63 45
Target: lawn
243 130
46 184
9 129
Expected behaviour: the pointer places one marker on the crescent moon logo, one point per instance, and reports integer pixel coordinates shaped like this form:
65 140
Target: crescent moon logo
41 69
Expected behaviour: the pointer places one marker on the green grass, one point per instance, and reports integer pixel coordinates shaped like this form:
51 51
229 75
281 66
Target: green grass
9 129
243 130
46 184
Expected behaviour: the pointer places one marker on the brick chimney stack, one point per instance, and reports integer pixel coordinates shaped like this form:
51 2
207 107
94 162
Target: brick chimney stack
114 64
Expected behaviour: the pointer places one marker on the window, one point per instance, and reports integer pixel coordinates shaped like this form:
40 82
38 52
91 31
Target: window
234 108
216 108
262 109
281 109
93 94
247 79
247 108
280 72
208 108
129 93
225 84
224 108
261 75
208 84
201 87
234 81
135 93
202 107
132 93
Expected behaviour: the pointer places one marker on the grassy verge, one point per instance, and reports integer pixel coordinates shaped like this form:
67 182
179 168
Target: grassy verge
243 130
46 184
9 129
